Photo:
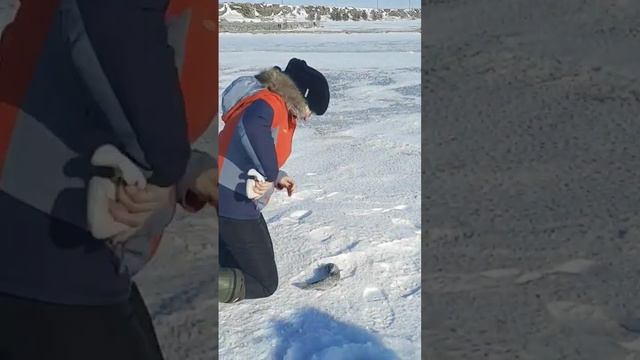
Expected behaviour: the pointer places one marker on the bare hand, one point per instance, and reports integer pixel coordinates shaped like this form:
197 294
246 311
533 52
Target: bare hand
288 183
134 206
261 187
206 187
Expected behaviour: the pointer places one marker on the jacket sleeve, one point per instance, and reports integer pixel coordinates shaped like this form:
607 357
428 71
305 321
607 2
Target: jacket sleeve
256 124
129 40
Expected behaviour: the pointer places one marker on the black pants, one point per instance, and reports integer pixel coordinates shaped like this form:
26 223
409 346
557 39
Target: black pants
33 330
246 245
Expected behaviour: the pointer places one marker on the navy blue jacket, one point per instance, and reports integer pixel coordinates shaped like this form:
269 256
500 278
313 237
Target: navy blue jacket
82 73
255 126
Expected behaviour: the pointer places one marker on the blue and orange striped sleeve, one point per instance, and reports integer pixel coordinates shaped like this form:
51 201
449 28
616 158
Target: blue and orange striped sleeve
257 121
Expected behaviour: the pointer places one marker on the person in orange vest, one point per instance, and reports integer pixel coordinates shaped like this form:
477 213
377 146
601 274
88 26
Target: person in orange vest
76 75
260 114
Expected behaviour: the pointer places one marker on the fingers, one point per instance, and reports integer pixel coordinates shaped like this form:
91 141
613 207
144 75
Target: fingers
213 175
211 186
141 196
212 197
259 192
288 183
261 188
291 188
134 206
134 200
206 186
120 214
263 185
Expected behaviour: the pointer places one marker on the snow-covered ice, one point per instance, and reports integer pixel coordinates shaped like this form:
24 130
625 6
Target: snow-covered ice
357 205
368 26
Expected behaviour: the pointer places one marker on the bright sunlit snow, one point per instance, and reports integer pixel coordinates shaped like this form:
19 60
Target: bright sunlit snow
357 205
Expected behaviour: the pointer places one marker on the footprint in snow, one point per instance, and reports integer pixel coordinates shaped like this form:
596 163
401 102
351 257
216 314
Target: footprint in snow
382 266
404 223
585 317
321 234
376 311
302 195
300 214
330 195
571 267
365 212
275 218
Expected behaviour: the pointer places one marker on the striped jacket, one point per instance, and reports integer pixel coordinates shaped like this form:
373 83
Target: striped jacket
74 75
259 113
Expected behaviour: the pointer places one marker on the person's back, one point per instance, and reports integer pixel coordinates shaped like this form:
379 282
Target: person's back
53 121
75 75
51 126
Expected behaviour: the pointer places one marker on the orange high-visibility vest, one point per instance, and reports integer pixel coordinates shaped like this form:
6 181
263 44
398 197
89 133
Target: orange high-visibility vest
283 121
199 71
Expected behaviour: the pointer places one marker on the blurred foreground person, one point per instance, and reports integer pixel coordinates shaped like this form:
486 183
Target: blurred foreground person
139 76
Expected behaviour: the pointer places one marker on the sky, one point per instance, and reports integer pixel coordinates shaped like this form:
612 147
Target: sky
396 4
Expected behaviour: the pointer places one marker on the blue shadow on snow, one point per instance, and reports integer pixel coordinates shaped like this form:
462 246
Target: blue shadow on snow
312 334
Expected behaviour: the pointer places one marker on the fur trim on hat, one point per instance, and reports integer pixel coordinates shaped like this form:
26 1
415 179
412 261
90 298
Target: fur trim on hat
281 84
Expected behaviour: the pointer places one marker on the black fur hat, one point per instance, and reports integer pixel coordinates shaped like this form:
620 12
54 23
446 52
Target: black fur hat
311 83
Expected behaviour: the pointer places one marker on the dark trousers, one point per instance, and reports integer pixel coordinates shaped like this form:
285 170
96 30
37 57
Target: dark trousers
33 330
246 245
